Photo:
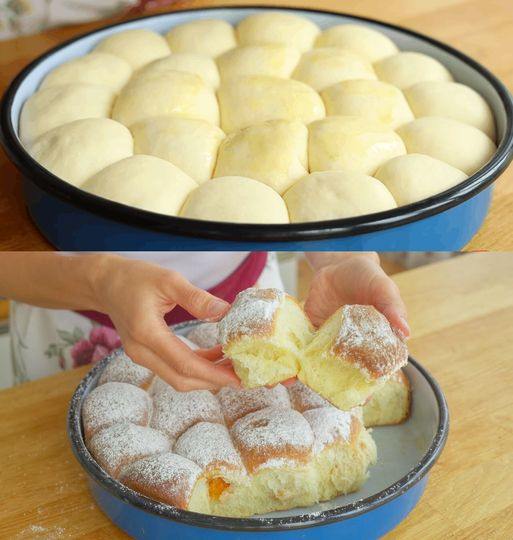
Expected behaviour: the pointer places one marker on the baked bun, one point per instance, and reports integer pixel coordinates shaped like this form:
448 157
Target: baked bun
274 152
277 27
452 100
114 403
257 98
209 37
197 64
336 194
264 333
162 94
121 444
204 335
145 182
405 69
138 46
170 479
236 403
103 69
58 105
260 455
189 143
121 369
326 66
78 150
351 355
390 404
415 177
174 412
235 199
375 100
460 145
270 59
359 39
351 143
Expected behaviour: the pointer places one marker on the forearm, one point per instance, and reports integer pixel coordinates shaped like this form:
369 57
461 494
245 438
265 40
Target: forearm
51 280
320 259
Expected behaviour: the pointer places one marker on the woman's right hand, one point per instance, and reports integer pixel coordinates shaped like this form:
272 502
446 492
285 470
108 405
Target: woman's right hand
136 295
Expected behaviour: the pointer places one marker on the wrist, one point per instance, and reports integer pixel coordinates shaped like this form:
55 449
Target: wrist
320 260
99 273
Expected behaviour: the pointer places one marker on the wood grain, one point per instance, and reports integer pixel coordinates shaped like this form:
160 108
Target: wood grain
484 30
461 314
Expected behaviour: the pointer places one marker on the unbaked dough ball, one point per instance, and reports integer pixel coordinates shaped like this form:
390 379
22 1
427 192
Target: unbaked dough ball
323 67
336 194
200 65
358 38
189 143
453 100
58 105
277 27
407 68
273 152
210 37
462 146
172 93
77 150
270 59
414 177
235 199
146 182
351 143
375 100
138 46
255 99
95 68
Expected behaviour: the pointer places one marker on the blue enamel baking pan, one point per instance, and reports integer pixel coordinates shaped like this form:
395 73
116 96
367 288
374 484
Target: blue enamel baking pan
406 453
72 219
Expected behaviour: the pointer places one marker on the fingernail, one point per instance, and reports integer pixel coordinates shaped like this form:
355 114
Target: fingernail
217 307
407 327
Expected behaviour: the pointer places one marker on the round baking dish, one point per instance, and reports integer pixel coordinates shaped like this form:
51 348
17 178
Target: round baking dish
406 453
72 219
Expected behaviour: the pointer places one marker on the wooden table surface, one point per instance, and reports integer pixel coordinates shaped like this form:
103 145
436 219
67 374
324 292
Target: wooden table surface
461 314
482 29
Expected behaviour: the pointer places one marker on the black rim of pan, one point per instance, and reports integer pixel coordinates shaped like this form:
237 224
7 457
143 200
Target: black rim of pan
255 232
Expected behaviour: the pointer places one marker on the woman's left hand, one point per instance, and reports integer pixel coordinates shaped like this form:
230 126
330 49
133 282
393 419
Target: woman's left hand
353 278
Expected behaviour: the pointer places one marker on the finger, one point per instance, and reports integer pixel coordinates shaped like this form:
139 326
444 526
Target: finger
289 382
390 303
196 301
146 357
183 360
212 354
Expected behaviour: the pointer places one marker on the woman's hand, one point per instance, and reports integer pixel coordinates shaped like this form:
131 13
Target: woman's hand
136 295
353 278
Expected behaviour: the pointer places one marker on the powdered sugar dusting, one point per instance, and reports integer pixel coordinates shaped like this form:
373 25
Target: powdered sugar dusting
273 432
174 476
122 369
209 445
115 402
366 339
304 398
205 335
237 403
329 424
174 412
123 443
252 312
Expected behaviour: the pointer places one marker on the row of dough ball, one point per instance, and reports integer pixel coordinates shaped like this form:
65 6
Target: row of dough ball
255 84
154 184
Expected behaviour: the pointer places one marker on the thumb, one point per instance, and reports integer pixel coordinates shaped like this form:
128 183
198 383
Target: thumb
198 302
391 305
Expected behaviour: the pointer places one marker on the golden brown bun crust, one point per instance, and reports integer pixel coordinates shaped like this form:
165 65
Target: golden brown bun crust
367 340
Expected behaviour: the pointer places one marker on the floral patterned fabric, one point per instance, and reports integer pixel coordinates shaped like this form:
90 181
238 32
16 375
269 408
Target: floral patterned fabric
46 341
20 17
